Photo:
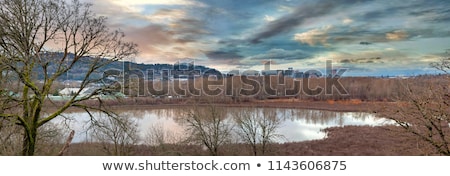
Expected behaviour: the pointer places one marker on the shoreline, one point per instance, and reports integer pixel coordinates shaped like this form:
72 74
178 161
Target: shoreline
336 106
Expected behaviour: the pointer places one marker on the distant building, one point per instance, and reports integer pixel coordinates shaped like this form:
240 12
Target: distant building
298 74
289 72
232 73
250 73
307 74
69 91
271 72
72 91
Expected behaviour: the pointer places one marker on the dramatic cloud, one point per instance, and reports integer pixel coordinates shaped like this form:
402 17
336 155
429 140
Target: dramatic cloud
397 35
165 2
377 60
366 35
230 58
167 15
347 21
363 60
117 14
163 34
303 12
280 54
222 55
155 2
269 18
314 36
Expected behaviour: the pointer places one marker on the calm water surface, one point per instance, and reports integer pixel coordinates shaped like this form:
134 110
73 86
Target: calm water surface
297 124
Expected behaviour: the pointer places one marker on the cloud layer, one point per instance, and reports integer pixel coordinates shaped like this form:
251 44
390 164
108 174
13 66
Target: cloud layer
371 36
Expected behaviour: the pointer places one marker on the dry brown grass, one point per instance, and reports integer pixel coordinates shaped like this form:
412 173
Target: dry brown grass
359 140
341 141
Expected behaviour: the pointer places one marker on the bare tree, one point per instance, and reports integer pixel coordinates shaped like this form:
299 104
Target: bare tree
116 135
208 126
49 38
50 138
158 135
161 138
257 127
443 65
248 128
425 109
269 125
10 138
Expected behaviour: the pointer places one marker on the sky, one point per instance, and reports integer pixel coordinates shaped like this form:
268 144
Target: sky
367 37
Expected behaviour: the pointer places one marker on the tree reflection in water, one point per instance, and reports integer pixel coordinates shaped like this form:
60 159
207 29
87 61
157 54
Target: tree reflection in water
297 124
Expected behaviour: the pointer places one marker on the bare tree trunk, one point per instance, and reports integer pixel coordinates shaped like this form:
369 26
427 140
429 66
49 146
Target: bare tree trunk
255 150
67 144
29 142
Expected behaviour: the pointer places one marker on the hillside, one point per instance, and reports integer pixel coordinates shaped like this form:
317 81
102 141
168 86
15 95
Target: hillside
81 67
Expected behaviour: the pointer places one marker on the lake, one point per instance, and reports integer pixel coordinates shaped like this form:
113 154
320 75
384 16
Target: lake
296 124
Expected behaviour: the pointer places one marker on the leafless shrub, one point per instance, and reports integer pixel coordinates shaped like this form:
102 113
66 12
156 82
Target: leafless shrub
49 139
162 139
158 135
117 135
10 138
208 126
